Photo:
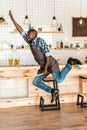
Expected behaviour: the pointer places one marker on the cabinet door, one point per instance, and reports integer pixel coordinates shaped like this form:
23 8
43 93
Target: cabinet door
13 88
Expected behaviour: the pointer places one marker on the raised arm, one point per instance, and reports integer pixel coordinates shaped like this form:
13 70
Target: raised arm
18 27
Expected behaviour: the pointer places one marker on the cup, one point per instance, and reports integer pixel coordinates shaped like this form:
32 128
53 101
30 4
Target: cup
10 62
17 62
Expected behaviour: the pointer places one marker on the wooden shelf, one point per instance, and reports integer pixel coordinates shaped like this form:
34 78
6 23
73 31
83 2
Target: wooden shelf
14 49
49 49
3 23
14 31
51 31
41 31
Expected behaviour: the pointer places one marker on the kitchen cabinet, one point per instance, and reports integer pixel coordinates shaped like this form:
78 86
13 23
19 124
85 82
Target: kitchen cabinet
15 87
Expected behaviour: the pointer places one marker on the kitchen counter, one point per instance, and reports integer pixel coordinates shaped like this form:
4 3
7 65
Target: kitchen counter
4 68
16 71
17 90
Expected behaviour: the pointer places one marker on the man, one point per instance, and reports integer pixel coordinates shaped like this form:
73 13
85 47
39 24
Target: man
48 64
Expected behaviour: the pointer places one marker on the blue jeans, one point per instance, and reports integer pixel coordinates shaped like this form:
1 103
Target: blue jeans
58 76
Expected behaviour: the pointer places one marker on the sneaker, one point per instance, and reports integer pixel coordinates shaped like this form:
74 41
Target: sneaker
74 62
54 95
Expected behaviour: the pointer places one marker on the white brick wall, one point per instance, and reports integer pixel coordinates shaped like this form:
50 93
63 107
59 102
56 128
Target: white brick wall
40 13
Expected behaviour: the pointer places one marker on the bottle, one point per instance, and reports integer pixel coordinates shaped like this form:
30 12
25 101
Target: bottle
67 45
58 45
61 27
71 45
86 59
61 44
77 45
29 27
49 45
85 44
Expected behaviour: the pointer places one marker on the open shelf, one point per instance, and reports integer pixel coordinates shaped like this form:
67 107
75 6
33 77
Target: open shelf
52 31
3 23
15 31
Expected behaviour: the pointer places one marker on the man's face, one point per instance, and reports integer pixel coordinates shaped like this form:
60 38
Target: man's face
31 36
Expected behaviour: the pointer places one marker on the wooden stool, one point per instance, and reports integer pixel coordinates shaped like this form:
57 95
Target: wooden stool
80 97
56 105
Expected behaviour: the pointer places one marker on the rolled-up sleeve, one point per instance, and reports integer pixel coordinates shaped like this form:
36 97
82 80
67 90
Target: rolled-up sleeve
24 35
47 54
44 48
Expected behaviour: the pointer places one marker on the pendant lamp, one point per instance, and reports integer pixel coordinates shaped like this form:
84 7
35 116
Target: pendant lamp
26 20
81 21
54 22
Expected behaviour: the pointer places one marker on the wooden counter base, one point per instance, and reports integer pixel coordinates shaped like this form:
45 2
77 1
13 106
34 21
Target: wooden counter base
69 88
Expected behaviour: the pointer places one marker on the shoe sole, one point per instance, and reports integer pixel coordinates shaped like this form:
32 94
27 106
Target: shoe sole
76 67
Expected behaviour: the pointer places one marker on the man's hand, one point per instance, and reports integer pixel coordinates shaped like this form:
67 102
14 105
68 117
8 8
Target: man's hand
18 27
10 14
45 72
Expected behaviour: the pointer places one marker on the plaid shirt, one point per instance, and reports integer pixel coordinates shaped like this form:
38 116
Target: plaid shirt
42 46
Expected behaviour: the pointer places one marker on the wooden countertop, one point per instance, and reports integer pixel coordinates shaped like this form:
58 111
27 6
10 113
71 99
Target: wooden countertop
18 71
17 67
24 66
